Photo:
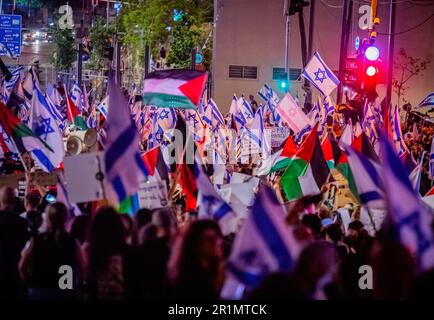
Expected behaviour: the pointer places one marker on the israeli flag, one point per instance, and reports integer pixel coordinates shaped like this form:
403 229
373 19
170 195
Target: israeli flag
265 244
320 75
428 101
212 205
77 96
367 178
124 168
46 128
411 217
103 107
431 161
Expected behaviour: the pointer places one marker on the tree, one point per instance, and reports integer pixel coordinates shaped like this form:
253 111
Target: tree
407 67
64 49
176 24
185 38
100 38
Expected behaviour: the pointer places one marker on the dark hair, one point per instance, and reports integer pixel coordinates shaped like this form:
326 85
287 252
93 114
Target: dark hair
313 222
106 238
33 199
79 227
143 217
34 219
57 213
334 231
356 225
189 250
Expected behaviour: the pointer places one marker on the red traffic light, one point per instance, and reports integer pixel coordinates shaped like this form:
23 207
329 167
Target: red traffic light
371 71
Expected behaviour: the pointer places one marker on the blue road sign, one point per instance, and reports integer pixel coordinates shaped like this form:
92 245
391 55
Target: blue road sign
10 35
199 58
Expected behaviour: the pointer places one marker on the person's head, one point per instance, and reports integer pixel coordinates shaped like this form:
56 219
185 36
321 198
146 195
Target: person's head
394 270
34 220
164 220
313 222
333 233
7 199
31 201
251 97
8 155
200 248
143 217
79 227
354 228
316 263
106 237
56 215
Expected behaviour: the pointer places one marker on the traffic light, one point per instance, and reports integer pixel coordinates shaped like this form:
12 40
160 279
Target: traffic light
371 68
296 6
283 82
351 75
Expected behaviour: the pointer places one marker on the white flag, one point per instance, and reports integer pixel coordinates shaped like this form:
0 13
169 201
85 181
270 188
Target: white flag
317 72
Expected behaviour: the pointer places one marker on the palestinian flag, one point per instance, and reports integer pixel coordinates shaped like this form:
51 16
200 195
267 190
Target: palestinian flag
71 109
330 150
282 158
155 165
429 198
307 171
24 138
364 147
174 88
184 165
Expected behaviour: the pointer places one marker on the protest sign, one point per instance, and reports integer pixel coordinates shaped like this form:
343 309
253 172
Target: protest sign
153 195
277 135
82 173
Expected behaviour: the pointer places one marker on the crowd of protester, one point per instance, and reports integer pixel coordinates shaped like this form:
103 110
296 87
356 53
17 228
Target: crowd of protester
158 254
155 255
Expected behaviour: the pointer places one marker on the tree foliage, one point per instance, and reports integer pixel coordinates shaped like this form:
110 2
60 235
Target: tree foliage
99 37
152 22
407 67
64 53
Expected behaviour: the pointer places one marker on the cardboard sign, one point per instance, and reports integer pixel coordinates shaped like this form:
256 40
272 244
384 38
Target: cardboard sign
153 195
42 178
277 135
81 173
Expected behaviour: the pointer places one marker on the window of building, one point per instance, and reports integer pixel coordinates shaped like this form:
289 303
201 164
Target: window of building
243 72
294 73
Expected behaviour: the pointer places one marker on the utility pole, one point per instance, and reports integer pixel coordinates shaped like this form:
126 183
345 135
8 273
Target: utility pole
390 48
193 59
80 54
343 50
287 35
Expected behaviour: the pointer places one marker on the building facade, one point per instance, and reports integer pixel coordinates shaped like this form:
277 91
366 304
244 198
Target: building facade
249 44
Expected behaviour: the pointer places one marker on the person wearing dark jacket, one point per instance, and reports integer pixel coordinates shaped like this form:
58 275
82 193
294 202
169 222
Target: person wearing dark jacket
13 237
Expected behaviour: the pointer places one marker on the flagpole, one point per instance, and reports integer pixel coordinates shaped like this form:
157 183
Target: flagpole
100 176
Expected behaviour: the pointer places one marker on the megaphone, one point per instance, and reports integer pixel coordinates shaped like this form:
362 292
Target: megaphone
73 146
81 141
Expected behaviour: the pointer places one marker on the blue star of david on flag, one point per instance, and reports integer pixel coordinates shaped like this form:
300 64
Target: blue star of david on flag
193 117
5 136
44 127
320 75
248 115
164 114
